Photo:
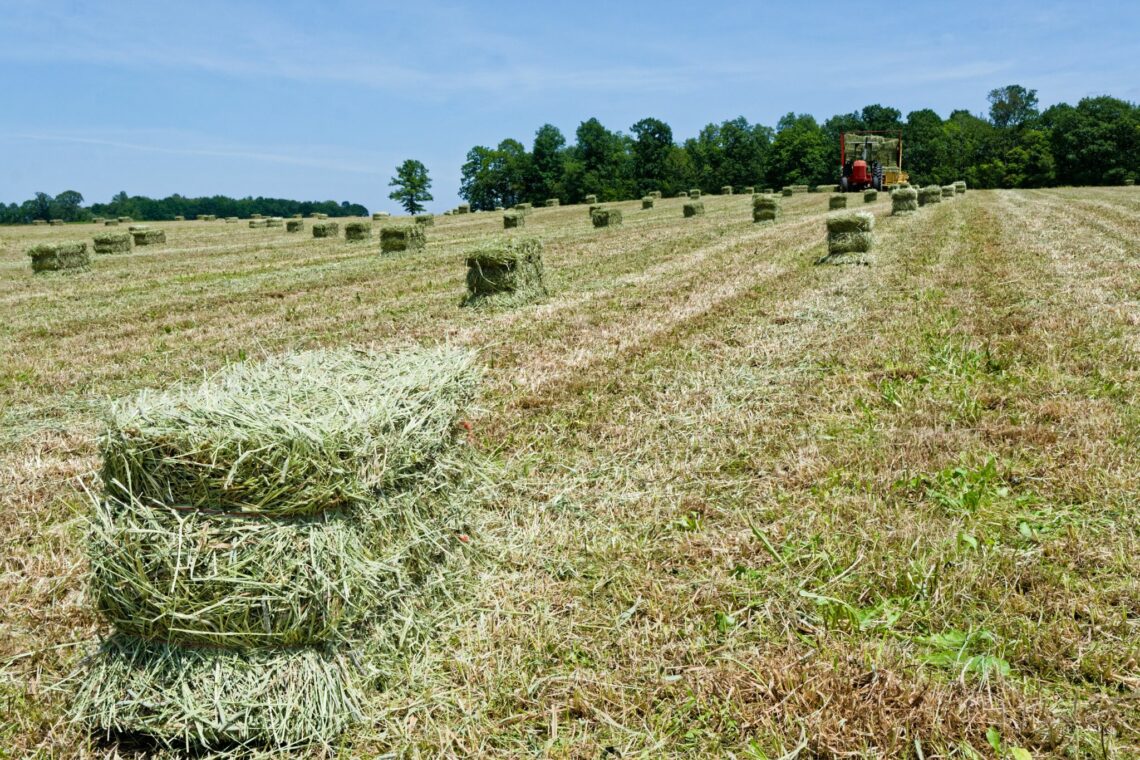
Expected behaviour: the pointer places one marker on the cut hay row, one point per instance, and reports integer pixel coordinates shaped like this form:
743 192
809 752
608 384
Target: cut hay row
55 257
505 273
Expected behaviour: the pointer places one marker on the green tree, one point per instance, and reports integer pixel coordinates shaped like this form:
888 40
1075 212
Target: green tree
547 165
412 185
68 205
653 142
800 153
1012 106
925 157
1095 142
599 163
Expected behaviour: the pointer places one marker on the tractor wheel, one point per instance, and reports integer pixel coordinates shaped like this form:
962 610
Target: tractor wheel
843 185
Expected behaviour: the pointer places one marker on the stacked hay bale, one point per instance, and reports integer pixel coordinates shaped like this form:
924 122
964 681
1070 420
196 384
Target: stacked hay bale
929 194
787 192
960 187
326 230
647 202
56 257
39 222
838 200
357 231
275 221
513 219
850 237
295 225
552 202
591 199
427 220
113 242
765 208
148 235
260 535
904 201
606 217
404 237
694 193
56 222
870 195
1130 182
948 191
693 208
463 208
505 273
257 224
726 190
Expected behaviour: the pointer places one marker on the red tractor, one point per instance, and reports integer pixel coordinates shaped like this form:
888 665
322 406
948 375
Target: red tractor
870 159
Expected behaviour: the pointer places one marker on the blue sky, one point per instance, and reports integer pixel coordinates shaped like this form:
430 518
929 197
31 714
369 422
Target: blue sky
317 101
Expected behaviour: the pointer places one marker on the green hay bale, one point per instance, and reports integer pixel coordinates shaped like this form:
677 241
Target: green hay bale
647 202
850 235
765 208
380 216
522 207
256 216
146 236
726 190
656 194
591 199
55 257
682 194
298 216
500 208
39 222
56 222
513 219
98 220
111 223
321 216
206 217
326 230
749 190
405 237
870 195
113 242
948 191
357 231
837 201
257 224
275 221
693 208
798 188
1127 183
180 219
216 699
552 202
904 201
125 219
232 220
694 193
505 273
960 187
427 220
295 225
929 194
463 208
787 192
606 217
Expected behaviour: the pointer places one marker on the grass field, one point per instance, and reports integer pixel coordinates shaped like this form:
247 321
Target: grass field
747 506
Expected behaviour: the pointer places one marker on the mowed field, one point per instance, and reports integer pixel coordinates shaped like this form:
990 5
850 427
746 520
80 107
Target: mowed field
737 505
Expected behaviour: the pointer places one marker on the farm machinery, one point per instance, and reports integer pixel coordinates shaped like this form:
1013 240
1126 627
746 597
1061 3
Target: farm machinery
870 160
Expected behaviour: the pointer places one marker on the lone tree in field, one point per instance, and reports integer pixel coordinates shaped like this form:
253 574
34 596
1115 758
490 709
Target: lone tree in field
412 184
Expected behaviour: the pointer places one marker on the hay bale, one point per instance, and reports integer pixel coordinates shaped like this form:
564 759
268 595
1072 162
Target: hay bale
298 216
39 222
870 195
606 217
765 208
275 221
326 230
693 208
257 224
904 201
647 202
960 187
56 222
929 194
98 220
111 223
837 201
55 257
656 194
798 188
463 208
125 219
232 220
113 242
850 236
513 219
591 199
948 191
357 231
148 236
682 194
427 220
505 273
404 237
749 190
380 216
787 192
522 207
726 190
256 216
694 193
295 225
552 202
1130 182
179 218
321 216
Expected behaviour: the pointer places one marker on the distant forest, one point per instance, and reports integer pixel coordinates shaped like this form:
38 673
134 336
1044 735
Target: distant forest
1096 142
69 207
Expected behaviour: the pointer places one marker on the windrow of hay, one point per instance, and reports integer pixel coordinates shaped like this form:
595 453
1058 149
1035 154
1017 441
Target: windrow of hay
765 208
606 217
54 257
505 273
948 191
513 219
295 225
357 231
870 195
837 201
960 187
904 201
326 230
850 236
113 242
693 208
647 202
404 237
427 220
929 194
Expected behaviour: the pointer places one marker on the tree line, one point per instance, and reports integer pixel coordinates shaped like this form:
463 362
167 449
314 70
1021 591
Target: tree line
1096 142
69 207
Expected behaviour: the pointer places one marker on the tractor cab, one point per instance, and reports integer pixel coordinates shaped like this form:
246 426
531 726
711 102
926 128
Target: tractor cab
869 160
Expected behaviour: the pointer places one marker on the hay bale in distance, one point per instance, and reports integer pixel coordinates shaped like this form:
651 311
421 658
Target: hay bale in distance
357 231
765 208
232 220
125 219
693 208
552 202
960 187
113 242
870 195
948 191
929 194
522 206
295 225
111 223
682 194
427 220
463 208
656 194
404 237
590 199
256 216
179 218
257 224
850 236
726 190
39 222
326 230
148 236
837 201
505 273
606 217
56 222
904 201
787 192
694 193
379 216
647 202
1130 182
275 221
55 257
513 219
749 190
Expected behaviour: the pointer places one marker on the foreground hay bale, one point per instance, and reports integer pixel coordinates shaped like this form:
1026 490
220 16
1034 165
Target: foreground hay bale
56 257
405 237
904 201
948 191
295 225
694 193
726 190
693 208
552 202
427 220
148 236
606 217
837 201
850 237
326 230
591 199
357 231
929 194
870 195
960 187
513 219
505 273
647 202
765 208
257 224
312 517
113 242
